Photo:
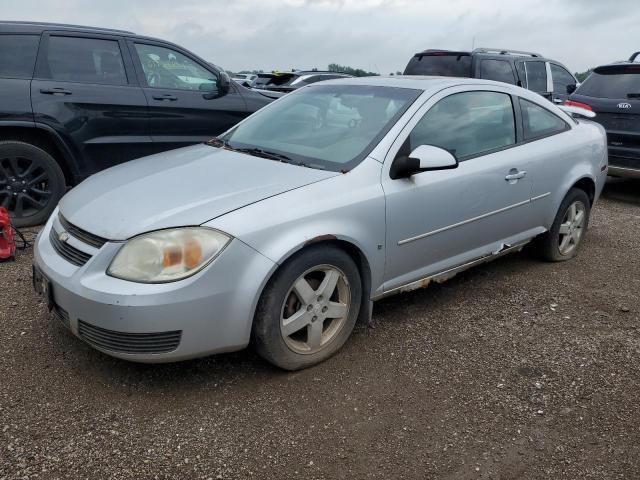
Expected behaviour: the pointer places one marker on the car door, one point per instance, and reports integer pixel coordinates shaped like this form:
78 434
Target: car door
437 220
564 84
184 107
85 88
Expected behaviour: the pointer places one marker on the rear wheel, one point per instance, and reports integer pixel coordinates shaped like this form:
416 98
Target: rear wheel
564 238
309 308
31 183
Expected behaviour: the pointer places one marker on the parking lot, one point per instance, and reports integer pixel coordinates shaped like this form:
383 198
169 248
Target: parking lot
515 369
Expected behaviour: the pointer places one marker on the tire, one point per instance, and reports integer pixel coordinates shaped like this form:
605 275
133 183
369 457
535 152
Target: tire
322 325
31 183
549 246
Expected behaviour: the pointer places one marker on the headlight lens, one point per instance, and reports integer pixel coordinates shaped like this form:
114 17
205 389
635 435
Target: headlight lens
167 255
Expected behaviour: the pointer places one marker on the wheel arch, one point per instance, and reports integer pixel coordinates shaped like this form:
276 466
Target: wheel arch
350 248
46 139
588 185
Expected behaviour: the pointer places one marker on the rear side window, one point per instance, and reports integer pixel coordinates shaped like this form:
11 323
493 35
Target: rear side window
499 70
613 82
467 124
18 55
536 73
561 79
539 122
440 65
86 60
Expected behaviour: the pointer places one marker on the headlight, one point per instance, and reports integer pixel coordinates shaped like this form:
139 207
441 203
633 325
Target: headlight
167 255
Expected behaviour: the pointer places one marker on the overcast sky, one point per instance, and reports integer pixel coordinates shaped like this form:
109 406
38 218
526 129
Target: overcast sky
377 35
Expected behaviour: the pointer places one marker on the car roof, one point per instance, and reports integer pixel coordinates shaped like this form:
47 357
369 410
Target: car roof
37 27
415 82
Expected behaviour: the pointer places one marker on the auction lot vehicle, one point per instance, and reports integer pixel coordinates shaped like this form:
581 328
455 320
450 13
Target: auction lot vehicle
245 79
529 70
285 228
75 100
280 83
613 92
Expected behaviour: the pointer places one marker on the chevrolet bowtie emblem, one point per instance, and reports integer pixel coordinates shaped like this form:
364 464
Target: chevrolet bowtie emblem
63 236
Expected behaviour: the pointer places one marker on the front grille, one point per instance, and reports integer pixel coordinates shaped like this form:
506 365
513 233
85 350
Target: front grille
82 235
66 251
137 343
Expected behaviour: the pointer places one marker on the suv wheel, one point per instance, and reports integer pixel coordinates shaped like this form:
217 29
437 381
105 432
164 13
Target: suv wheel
309 308
31 183
562 241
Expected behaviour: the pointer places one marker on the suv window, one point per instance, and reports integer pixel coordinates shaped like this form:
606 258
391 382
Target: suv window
536 74
18 55
561 79
499 70
447 65
467 124
539 122
87 60
166 68
620 81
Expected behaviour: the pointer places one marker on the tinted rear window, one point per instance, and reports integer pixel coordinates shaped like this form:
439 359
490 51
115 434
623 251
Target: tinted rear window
440 65
18 55
613 82
498 70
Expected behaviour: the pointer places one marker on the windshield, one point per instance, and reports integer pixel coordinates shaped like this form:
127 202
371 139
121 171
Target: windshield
619 81
333 127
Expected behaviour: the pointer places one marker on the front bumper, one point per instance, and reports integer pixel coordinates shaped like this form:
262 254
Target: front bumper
210 312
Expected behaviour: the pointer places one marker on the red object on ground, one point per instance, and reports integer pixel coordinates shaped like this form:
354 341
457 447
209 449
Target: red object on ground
7 242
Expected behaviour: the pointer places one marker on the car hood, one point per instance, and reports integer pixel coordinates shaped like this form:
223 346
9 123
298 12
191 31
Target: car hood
182 187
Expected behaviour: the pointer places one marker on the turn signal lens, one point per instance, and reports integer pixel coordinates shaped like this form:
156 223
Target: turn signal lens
167 255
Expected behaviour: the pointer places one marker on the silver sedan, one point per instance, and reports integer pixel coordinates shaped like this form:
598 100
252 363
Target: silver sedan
286 228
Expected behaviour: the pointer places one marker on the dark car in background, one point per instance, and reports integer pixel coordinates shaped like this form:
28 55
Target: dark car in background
613 93
529 70
278 83
75 100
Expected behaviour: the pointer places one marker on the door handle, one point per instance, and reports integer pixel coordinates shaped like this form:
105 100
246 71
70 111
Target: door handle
166 96
557 100
55 91
514 177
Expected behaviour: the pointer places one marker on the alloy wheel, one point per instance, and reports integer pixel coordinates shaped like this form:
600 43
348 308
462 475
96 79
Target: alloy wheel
315 309
572 228
24 186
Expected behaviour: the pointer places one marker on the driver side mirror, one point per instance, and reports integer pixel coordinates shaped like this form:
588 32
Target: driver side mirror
423 159
571 88
224 85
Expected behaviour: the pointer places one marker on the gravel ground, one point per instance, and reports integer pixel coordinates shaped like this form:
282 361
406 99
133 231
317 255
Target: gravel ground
515 369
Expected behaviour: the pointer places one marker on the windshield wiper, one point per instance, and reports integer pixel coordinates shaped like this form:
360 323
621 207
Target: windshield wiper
259 152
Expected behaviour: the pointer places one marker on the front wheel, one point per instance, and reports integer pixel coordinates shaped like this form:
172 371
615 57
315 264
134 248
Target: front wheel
308 309
31 183
564 238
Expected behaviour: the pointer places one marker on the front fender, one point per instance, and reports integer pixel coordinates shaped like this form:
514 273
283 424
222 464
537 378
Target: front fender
348 207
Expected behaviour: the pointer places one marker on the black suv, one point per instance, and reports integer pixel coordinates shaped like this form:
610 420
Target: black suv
613 92
530 70
75 100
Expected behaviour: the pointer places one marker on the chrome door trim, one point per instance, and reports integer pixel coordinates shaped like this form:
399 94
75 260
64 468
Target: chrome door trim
464 222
